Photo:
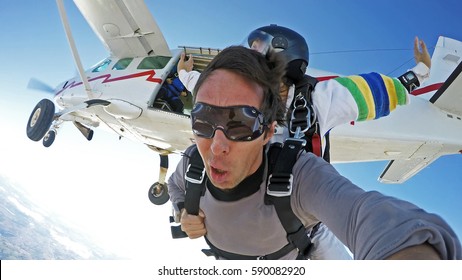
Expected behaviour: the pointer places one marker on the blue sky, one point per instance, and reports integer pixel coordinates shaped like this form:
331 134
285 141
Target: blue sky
101 186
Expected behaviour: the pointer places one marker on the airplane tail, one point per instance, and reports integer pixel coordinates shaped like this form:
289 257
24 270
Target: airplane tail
445 59
448 66
444 90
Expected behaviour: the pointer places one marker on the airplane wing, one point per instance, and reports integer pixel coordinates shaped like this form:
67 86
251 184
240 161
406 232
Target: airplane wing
126 27
400 170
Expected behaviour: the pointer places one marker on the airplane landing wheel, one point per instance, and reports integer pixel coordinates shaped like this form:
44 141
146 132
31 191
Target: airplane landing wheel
49 138
158 193
40 119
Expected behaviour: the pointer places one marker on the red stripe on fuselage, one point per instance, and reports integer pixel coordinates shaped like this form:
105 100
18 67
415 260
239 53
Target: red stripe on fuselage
426 89
107 79
325 78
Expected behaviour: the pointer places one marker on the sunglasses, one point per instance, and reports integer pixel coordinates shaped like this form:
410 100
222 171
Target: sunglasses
238 123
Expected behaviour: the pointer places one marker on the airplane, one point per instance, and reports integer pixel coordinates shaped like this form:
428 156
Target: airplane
120 94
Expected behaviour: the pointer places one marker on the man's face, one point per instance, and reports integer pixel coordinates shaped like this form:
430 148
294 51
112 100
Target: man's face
228 162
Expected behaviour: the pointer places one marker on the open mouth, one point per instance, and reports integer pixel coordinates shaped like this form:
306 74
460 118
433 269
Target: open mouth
218 176
218 171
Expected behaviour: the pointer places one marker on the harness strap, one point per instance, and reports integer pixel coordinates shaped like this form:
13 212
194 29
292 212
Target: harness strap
304 88
195 187
278 193
218 253
316 144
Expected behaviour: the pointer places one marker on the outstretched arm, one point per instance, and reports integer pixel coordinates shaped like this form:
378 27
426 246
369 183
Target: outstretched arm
367 96
372 225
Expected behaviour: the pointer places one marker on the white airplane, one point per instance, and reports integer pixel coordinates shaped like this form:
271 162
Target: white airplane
120 94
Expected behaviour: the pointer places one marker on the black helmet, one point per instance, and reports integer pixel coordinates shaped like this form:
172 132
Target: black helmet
289 43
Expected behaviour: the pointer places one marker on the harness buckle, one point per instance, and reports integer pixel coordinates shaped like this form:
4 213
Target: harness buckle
298 137
301 114
194 174
279 184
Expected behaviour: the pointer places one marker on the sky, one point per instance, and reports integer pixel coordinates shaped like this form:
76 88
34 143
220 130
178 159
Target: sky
101 186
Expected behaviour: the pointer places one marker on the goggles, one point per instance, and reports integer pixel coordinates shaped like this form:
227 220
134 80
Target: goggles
262 42
238 123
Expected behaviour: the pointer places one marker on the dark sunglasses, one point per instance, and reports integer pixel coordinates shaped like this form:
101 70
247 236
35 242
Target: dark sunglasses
238 123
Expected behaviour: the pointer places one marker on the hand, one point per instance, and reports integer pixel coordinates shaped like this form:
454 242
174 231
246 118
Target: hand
193 225
185 64
421 54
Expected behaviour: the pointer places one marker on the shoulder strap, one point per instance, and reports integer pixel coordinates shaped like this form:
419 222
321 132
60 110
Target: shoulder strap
195 184
305 86
279 191
195 188
303 116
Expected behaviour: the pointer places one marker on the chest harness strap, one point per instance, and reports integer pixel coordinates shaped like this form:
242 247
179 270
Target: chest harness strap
303 116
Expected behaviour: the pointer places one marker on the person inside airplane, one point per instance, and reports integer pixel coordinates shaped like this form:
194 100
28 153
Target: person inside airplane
233 127
171 91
